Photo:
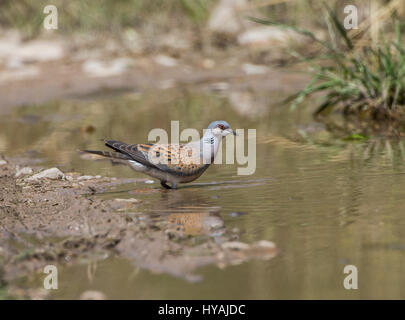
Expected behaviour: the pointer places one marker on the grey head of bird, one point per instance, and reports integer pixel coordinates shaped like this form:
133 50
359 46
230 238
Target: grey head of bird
220 128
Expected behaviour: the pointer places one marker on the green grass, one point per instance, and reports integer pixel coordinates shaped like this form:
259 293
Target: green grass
369 81
104 15
83 16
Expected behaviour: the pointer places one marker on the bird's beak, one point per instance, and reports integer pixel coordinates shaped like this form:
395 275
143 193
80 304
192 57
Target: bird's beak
232 131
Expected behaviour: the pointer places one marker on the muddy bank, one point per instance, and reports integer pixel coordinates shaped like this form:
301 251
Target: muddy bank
64 79
54 67
50 217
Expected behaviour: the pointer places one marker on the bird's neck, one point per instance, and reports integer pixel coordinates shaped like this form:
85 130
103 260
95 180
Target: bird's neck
209 146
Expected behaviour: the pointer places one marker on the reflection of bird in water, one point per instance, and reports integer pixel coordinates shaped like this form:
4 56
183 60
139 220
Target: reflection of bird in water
174 163
191 210
197 223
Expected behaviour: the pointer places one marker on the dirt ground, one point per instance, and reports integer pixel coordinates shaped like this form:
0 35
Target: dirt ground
60 220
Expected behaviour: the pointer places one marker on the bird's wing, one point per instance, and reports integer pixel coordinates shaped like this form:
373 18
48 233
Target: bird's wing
179 159
137 152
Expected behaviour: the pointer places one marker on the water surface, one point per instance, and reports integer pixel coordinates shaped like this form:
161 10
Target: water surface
326 203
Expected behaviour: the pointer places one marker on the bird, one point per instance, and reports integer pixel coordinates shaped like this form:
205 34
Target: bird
170 163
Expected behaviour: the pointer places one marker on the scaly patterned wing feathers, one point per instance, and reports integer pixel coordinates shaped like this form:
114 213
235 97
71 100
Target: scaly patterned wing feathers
179 159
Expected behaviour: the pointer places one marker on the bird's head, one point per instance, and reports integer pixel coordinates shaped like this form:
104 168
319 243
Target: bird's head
221 128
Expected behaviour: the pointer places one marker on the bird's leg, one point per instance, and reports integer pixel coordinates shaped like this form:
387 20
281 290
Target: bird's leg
164 185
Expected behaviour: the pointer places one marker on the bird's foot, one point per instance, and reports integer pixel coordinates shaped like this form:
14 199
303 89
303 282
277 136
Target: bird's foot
164 185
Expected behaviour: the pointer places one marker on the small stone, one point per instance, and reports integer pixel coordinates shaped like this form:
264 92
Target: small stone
208 63
237 214
213 222
15 63
130 200
226 17
23 171
69 178
235 245
92 295
220 86
266 36
165 61
81 178
252 69
149 181
20 74
167 84
265 244
53 173
98 68
3 162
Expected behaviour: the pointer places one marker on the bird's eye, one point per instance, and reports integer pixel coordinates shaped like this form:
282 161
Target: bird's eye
221 126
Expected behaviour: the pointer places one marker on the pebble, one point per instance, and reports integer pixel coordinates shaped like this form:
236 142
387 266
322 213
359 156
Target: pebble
131 200
208 63
53 173
236 214
149 181
81 178
212 222
265 244
3 162
252 69
220 86
97 68
235 245
26 72
267 36
92 295
167 84
165 61
226 17
23 171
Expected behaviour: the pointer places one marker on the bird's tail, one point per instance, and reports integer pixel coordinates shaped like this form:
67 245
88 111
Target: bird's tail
115 157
